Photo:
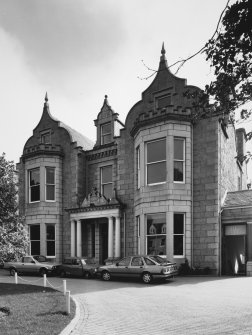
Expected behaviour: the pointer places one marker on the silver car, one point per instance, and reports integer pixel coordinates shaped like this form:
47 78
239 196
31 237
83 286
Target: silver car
145 267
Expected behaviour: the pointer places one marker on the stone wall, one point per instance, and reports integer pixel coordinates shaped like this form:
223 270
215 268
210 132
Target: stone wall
205 194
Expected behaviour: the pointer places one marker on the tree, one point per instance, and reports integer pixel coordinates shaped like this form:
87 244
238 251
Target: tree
13 235
230 53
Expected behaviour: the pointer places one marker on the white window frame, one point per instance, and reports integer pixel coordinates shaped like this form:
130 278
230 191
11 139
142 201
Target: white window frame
179 160
29 184
146 164
105 134
147 235
47 240
138 168
32 225
179 256
47 184
108 183
138 233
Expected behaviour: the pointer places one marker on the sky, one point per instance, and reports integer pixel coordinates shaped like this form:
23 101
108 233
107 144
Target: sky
78 51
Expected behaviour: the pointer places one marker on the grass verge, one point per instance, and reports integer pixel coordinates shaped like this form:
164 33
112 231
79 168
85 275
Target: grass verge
30 309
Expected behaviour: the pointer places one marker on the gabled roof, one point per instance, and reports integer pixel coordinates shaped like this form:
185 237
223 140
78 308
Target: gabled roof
238 199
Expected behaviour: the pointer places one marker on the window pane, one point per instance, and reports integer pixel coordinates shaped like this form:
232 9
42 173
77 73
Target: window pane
50 175
106 128
156 151
50 248
35 193
35 232
164 101
178 171
178 245
107 174
178 149
35 247
34 177
50 192
156 173
156 245
50 232
106 139
107 191
178 224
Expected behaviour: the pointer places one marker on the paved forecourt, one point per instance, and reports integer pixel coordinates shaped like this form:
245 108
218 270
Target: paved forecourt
185 305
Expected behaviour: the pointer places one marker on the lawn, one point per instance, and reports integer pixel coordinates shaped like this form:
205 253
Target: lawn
30 309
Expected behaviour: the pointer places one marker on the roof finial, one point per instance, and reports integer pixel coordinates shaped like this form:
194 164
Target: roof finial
163 49
46 97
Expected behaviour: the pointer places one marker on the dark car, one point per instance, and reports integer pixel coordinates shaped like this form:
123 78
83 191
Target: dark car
78 267
145 268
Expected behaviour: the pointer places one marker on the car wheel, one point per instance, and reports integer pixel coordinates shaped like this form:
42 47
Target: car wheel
147 278
106 275
62 273
42 272
12 271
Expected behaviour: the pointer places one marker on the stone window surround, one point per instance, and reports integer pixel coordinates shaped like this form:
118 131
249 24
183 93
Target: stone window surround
42 171
141 144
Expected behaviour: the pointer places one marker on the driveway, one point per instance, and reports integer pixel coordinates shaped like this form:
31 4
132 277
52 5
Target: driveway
185 305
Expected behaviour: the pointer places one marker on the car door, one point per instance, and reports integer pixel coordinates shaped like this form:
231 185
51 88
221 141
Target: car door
121 268
28 265
136 266
76 268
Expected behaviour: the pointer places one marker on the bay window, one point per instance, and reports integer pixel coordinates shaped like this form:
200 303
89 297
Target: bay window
179 160
178 234
50 184
50 239
35 239
156 161
138 167
34 185
156 234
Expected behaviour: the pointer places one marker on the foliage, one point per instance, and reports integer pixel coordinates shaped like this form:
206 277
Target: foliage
13 235
185 269
230 53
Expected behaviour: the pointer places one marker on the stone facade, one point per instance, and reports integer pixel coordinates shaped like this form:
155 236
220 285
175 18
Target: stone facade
157 186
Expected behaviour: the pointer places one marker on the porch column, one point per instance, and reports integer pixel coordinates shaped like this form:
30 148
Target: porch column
72 238
117 237
110 236
79 240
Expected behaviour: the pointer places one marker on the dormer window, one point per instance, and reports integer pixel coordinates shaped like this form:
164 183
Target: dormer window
163 101
106 133
45 137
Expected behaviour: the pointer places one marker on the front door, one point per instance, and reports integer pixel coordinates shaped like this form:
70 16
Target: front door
234 250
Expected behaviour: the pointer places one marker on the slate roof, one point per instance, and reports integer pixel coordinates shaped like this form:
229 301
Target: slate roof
238 199
77 137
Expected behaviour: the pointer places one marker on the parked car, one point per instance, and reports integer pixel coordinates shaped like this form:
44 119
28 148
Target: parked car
41 258
145 267
77 267
28 264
